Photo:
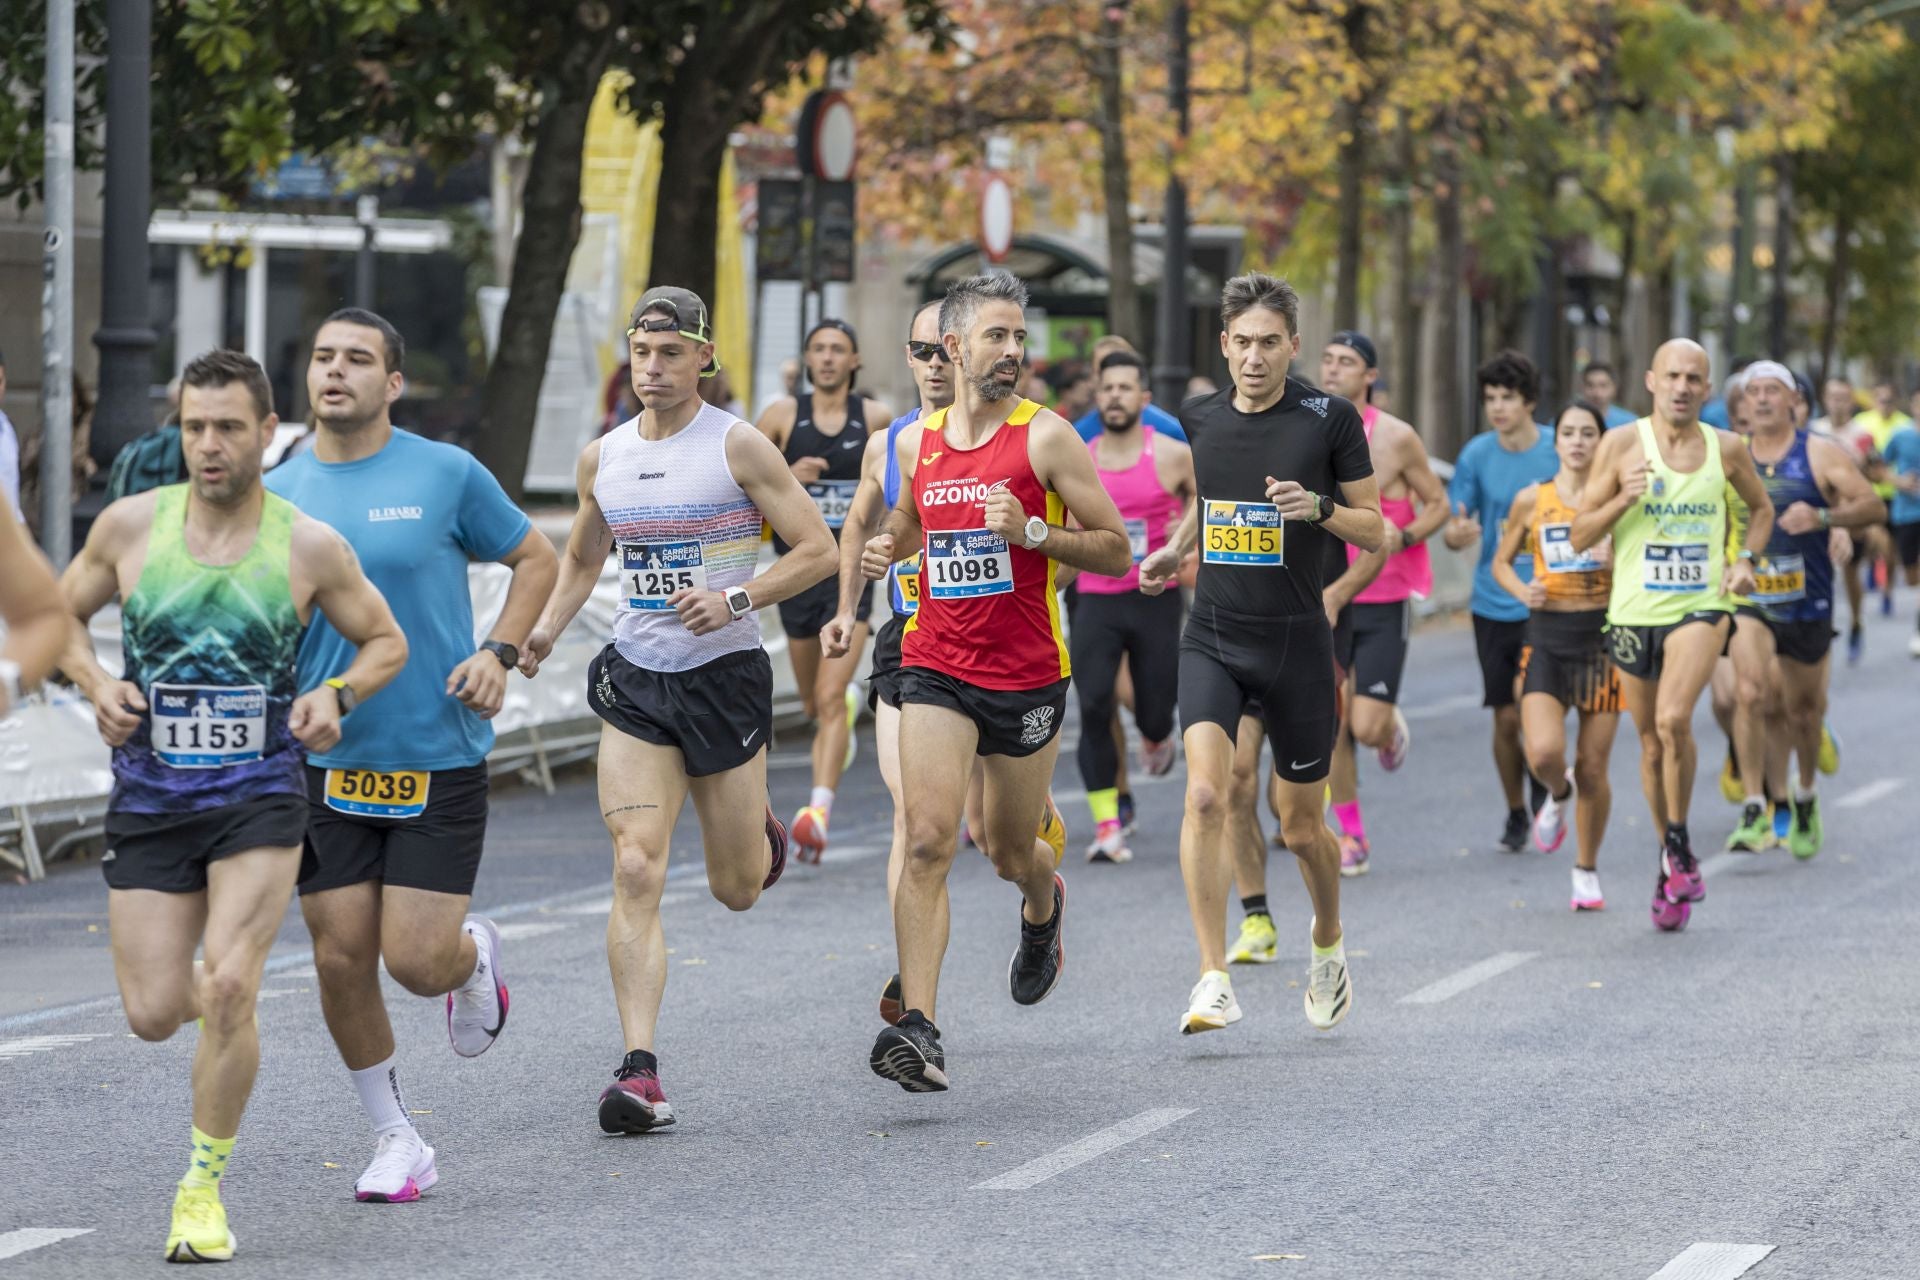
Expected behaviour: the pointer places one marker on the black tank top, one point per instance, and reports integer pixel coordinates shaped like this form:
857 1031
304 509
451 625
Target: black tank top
833 492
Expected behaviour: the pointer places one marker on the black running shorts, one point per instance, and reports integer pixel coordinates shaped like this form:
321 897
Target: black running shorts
1380 636
1566 659
1641 651
1906 539
170 851
806 615
1805 640
359 828
1012 722
719 714
1285 664
1499 645
883 684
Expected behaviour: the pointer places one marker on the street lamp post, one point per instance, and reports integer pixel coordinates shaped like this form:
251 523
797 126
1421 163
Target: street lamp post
125 337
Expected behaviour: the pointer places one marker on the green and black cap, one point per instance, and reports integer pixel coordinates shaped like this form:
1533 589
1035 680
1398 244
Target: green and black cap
687 313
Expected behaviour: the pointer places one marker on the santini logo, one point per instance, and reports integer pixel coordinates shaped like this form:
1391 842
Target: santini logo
651 475
377 514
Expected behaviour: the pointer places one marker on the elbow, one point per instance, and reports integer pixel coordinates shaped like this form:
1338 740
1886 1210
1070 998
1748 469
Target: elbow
1375 534
1117 557
825 559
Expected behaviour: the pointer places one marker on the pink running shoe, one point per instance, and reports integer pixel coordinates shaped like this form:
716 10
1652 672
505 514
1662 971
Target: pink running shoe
1353 856
1680 874
1394 754
1157 757
1550 824
1669 916
777 840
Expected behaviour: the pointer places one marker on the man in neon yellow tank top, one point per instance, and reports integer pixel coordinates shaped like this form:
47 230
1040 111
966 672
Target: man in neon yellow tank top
218 580
1660 487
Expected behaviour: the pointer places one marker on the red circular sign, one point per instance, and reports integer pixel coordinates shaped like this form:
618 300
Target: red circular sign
828 136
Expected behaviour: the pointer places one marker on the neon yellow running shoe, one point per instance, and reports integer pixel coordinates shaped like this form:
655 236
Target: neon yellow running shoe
200 1232
853 718
1053 829
1828 761
1256 942
1730 782
1805 839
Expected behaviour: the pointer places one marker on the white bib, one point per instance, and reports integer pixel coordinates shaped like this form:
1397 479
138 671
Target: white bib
964 563
834 498
199 726
1674 566
652 571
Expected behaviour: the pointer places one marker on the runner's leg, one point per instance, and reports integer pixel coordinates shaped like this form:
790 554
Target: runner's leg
1593 791
421 938
154 936
829 699
346 928
1639 696
936 757
1243 832
732 806
642 789
1016 790
1755 702
886 739
1509 756
1303 822
1804 695
1204 864
1688 665
247 896
1543 719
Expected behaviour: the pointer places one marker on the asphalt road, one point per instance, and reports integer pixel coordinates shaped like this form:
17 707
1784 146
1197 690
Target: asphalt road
1518 1092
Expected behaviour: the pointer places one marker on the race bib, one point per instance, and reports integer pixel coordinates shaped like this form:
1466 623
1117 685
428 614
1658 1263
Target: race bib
1137 539
1558 555
834 498
377 795
1243 533
652 571
906 585
963 563
1674 566
200 726
1780 580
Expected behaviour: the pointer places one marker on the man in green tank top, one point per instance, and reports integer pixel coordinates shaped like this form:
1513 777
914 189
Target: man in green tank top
218 580
1660 488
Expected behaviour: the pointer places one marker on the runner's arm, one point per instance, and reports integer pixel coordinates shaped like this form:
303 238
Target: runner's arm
1519 522
903 522
865 513
1851 501
1062 463
1416 468
37 621
811 557
1745 478
1605 500
91 580
588 544
1356 520
353 606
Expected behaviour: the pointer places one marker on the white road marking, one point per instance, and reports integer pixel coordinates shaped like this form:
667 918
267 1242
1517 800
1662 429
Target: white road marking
530 928
26 1239
1862 796
1713 1261
1471 976
44 1044
274 993
1036 1171
1446 706
1721 861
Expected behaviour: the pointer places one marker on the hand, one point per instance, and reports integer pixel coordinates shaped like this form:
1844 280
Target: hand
116 711
1295 502
480 683
807 470
1839 547
1634 480
1157 570
1601 552
1907 482
836 638
1738 580
1536 593
1333 604
1006 517
876 557
315 719
1462 526
701 612
1801 517
1395 539
534 652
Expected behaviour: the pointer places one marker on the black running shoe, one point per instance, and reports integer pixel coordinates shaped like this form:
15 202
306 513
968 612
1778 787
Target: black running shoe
776 841
890 1008
1042 955
1536 795
909 1055
1126 812
1514 838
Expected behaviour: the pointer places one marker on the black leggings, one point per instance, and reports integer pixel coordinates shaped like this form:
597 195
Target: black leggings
1145 630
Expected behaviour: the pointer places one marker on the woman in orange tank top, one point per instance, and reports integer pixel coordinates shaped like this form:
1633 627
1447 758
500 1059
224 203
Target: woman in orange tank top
1565 665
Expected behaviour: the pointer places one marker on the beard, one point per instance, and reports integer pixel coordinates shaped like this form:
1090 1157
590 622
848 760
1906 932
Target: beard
988 385
1118 420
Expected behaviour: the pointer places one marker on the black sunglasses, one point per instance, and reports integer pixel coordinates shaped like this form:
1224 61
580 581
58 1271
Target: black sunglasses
926 351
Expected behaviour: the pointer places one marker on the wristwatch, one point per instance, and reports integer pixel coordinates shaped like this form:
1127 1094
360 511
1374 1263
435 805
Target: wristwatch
1322 508
1746 553
1036 532
739 603
344 692
509 656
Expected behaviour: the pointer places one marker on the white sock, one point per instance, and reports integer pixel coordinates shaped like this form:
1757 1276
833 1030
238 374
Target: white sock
479 955
379 1090
822 799
1802 793
1759 800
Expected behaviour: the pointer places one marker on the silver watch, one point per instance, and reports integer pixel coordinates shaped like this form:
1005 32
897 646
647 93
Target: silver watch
1036 532
739 603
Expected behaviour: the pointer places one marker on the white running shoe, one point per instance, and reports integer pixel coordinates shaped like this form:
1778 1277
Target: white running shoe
402 1167
477 1008
1329 989
1586 891
1550 824
1157 758
1913 645
1211 1006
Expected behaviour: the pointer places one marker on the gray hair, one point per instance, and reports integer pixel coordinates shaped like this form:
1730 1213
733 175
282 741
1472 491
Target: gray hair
1257 289
965 296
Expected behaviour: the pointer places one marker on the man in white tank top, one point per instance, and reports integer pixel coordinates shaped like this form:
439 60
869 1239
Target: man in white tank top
679 493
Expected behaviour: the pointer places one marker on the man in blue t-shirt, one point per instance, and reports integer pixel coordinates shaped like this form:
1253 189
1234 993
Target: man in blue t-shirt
1599 385
1162 421
1494 466
397 812
1902 456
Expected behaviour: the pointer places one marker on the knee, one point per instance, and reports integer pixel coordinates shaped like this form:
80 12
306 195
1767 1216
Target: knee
1304 834
419 970
929 849
1204 800
1012 859
1545 758
733 892
226 999
1673 728
1372 724
339 964
639 871
1590 776
152 1020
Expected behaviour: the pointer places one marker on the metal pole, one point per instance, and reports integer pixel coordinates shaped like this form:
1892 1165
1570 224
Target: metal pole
1171 319
56 295
126 336
367 213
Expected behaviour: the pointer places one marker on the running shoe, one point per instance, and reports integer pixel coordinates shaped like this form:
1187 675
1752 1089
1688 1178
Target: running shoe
1041 957
477 1008
1681 870
1157 758
199 1232
1109 843
809 834
1053 829
777 842
1353 856
1126 812
1514 838
1668 916
1782 821
1586 891
854 701
1886 604
633 1103
910 1055
1755 832
1550 824
1913 644
1257 942
401 1169
1730 782
1210 1006
1805 838
891 1010
1828 761
1329 989
1856 644
1536 795
1394 754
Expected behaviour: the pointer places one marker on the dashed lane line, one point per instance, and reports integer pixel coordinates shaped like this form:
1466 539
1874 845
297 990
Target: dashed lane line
44 1044
1471 976
1074 1154
27 1239
1713 1262
1860 797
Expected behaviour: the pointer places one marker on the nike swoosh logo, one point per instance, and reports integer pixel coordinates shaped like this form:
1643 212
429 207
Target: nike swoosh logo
851 444
749 738
929 461
1296 765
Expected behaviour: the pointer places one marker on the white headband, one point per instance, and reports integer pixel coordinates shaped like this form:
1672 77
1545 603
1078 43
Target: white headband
1767 369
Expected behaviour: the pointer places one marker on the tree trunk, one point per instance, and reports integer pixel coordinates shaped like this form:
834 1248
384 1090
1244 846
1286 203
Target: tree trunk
549 230
1123 290
686 219
1837 272
1456 419
1782 255
1353 178
1617 354
1406 329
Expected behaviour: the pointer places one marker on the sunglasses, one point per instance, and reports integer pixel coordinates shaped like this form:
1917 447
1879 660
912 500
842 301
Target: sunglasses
669 323
927 352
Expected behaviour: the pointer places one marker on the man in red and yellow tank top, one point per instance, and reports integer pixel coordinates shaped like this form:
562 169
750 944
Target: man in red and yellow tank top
989 484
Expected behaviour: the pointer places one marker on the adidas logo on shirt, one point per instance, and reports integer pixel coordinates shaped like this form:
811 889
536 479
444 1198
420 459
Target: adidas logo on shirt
1318 404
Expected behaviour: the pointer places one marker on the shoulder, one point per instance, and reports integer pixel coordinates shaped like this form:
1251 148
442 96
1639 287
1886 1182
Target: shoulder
1201 409
1529 494
781 413
289 473
1474 450
1154 415
1733 445
318 546
1170 449
123 518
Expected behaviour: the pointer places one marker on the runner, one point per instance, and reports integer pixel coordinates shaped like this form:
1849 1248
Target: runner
1660 488
823 435
1880 423
1601 387
1150 479
1786 622
1565 666
1267 453
32 610
397 810
1379 612
986 489
218 579
1902 456
1491 471
685 687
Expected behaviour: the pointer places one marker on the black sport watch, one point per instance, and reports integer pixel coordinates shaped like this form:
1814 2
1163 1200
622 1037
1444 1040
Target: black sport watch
508 655
1323 508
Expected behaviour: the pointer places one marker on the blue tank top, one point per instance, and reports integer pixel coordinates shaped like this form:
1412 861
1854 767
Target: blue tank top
1794 580
903 580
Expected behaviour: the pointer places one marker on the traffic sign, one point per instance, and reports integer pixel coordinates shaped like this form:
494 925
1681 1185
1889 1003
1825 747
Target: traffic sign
827 139
996 219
